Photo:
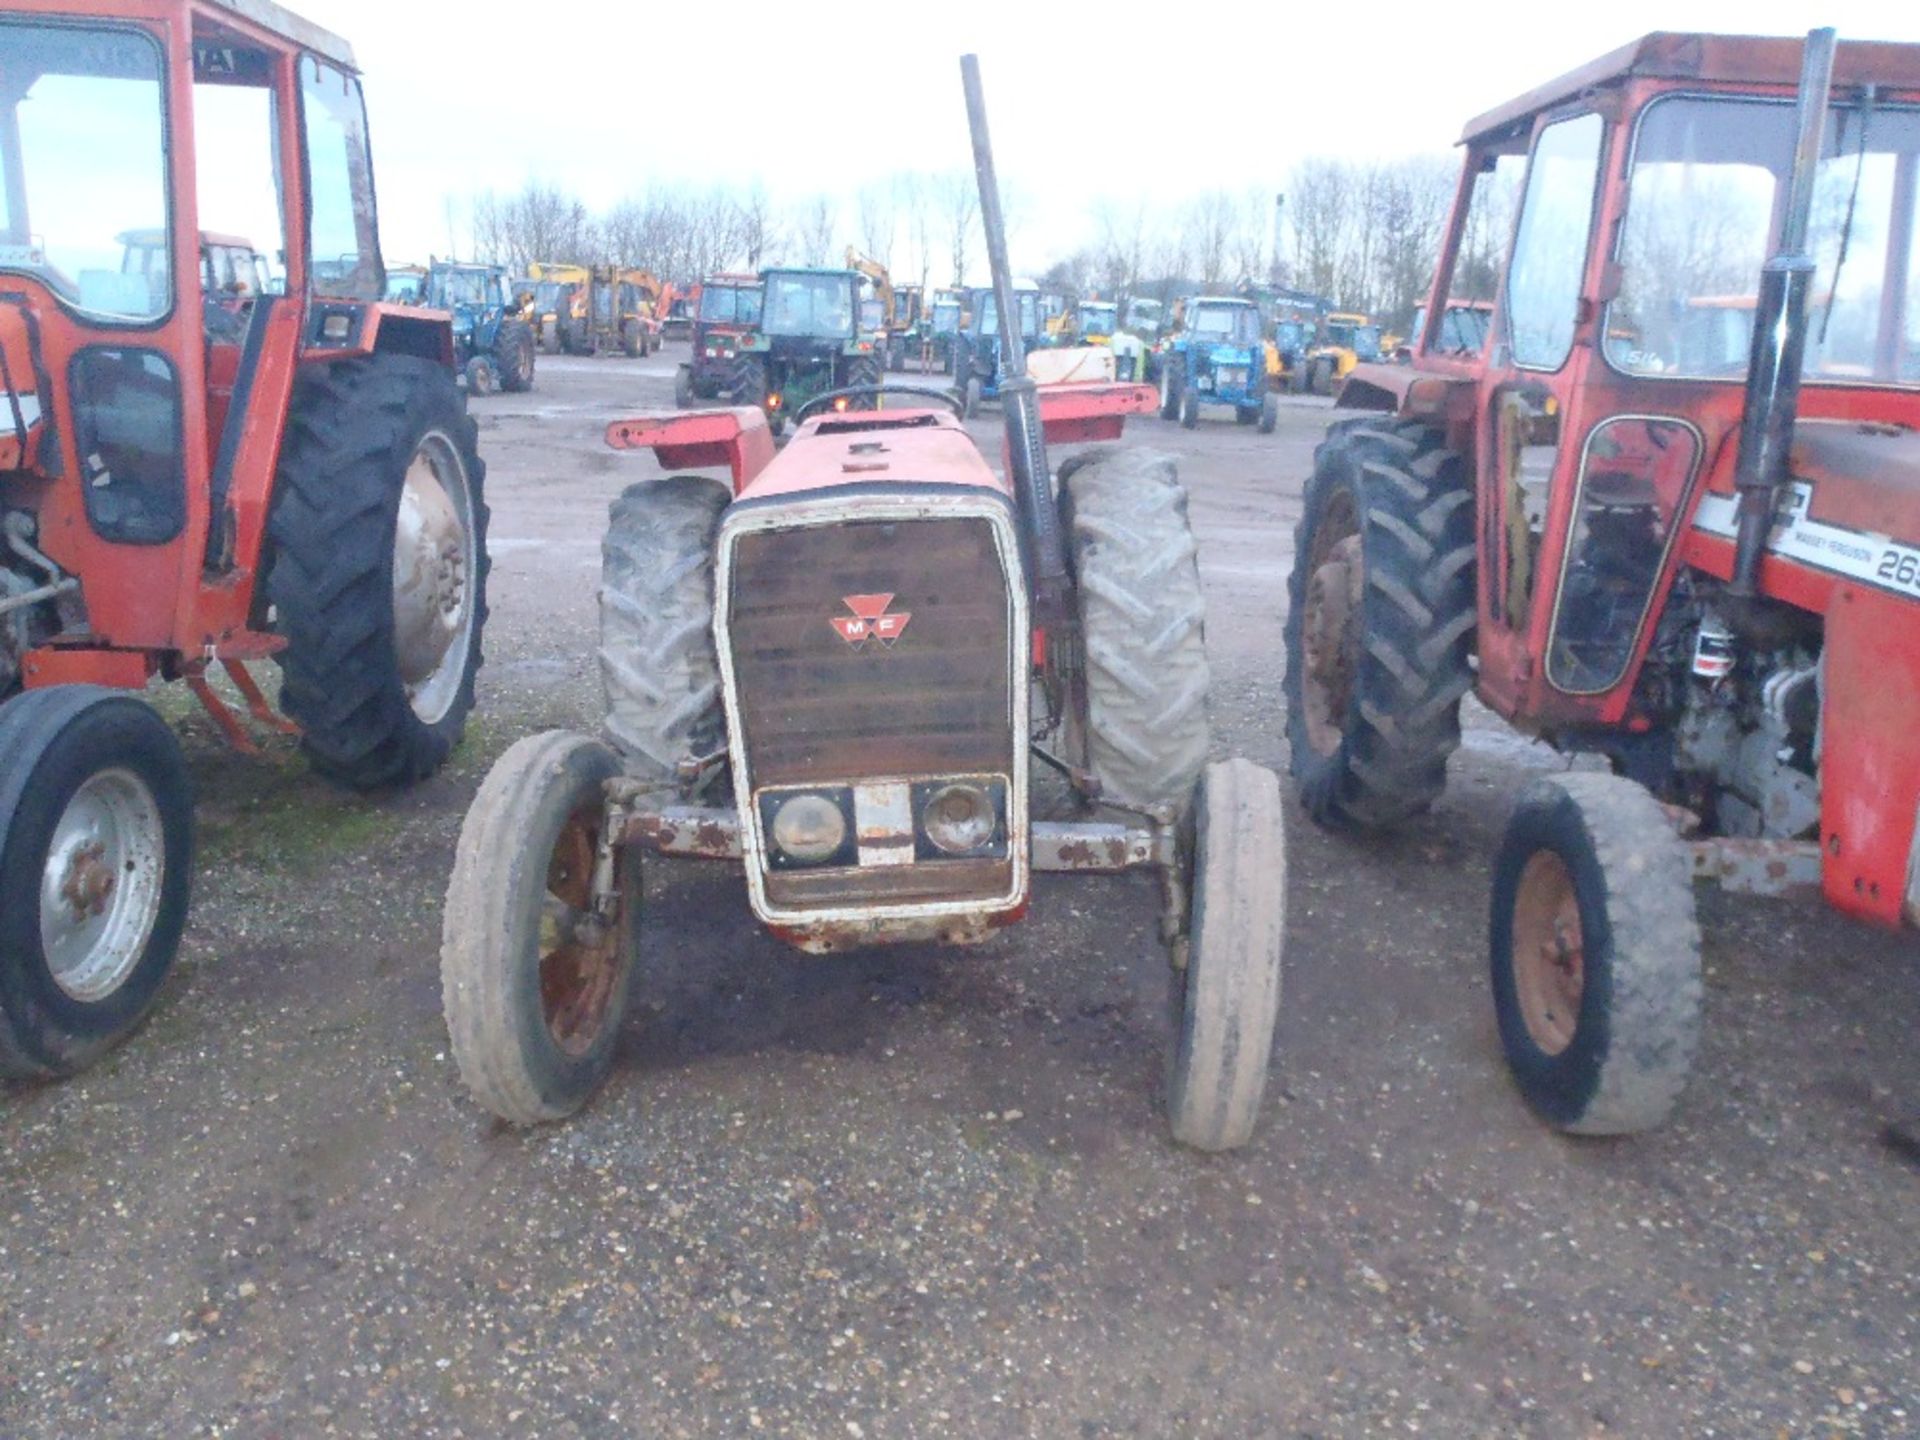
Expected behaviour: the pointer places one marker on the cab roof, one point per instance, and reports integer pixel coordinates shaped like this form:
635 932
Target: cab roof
1711 59
838 270
289 26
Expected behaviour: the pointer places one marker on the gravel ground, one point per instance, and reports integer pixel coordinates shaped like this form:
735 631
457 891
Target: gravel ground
922 1192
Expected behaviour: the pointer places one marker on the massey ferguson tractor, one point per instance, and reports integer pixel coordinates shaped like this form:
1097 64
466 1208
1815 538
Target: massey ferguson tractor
842 671
1700 562
190 482
727 311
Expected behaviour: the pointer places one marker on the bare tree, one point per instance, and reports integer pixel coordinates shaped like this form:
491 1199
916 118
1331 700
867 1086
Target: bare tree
1317 201
814 229
875 203
759 234
539 223
958 202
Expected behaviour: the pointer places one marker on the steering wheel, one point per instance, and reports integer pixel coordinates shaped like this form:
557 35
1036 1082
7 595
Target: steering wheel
926 392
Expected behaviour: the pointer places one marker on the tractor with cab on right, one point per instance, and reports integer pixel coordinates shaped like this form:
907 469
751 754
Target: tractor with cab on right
1700 564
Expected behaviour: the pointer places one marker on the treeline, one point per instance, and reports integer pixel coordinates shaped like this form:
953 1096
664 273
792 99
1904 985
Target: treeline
1362 234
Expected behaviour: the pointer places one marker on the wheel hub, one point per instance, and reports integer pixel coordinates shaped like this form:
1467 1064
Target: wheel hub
579 959
433 565
100 888
1549 956
1330 634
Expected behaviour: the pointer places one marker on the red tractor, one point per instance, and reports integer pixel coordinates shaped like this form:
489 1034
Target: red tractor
838 671
191 479
1695 557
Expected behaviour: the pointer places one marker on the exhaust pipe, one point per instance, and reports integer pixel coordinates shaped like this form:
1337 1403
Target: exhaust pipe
1780 332
1026 441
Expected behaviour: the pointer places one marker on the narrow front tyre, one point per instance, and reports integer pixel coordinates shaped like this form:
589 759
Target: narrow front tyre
1595 955
96 862
534 978
1228 996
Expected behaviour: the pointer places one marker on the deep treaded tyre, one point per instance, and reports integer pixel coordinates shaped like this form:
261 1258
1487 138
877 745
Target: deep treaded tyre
379 565
1380 623
96 862
1228 997
513 351
1595 954
864 371
1143 618
534 983
658 670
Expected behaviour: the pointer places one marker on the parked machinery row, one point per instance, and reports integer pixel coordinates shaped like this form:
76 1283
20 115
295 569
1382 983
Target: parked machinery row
1654 514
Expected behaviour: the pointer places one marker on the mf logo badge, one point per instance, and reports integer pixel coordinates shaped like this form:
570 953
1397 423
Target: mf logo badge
870 620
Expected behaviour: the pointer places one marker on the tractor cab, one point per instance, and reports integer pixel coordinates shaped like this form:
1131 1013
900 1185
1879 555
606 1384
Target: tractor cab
1663 506
978 370
493 345
1218 356
810 340
728 311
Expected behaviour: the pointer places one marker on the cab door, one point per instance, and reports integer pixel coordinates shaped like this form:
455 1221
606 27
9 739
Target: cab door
1531 400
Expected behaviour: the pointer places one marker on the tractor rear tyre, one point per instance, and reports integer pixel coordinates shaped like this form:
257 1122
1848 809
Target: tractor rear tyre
1189 408
1595 954
1228 994
683 387
513 351
633 340
659 673
864 371
1320 381
970 405
1380 623
749 384
1269 412
378 577
1142 620
96 862
1170 388
534 983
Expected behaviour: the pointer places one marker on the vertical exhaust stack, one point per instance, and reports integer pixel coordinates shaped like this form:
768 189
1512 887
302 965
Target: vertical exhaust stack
1026 442
1780 331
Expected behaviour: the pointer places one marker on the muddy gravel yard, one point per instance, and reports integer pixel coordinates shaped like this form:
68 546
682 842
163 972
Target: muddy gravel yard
924 1192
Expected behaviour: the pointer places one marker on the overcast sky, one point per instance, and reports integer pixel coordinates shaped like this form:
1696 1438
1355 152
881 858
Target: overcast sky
601 96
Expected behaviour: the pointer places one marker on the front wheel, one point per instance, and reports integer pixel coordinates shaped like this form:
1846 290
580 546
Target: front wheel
96 863
1228 998
379 566
1169 393
971 406
1595 955
1269 412
483 376
1189 408
683 387
534 980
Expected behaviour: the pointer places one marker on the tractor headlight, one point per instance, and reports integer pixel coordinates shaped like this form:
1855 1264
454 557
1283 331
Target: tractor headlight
959 818
809 829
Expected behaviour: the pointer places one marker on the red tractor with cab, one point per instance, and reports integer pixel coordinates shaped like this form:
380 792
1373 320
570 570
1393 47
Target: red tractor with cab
840 671
195 477
1630 537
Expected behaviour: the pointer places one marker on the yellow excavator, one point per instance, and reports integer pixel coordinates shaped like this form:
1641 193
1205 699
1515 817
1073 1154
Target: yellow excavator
901 307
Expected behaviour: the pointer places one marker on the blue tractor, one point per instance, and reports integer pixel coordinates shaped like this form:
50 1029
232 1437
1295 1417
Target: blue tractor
977 350
1218 356
493 345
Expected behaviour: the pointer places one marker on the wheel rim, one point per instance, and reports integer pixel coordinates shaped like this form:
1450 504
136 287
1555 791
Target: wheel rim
1549 958
1329 631
100 890
579 952
434 564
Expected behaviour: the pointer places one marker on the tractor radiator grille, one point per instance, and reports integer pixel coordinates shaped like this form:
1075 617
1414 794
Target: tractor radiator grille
826 694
